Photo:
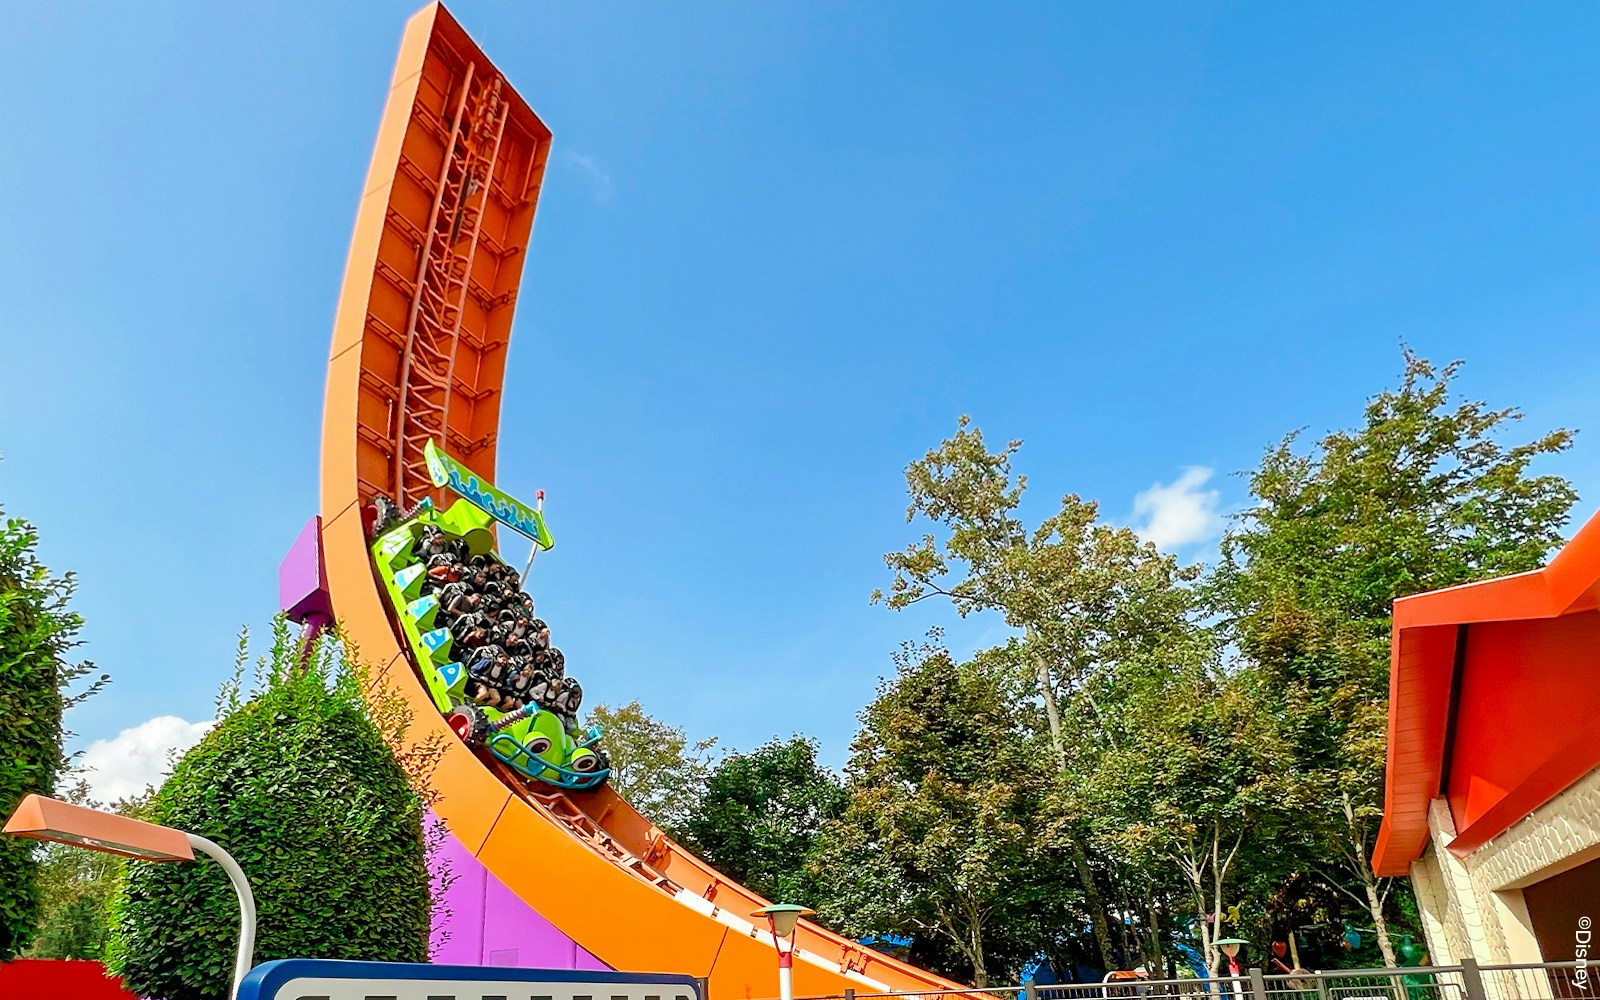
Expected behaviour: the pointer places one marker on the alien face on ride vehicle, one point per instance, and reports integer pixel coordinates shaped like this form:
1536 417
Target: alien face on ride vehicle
548 739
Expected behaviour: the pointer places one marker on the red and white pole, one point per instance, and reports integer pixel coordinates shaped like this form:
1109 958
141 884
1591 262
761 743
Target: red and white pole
538 505
785 959
786 970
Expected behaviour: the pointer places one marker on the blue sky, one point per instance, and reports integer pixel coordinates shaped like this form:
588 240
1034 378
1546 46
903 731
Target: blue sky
780 248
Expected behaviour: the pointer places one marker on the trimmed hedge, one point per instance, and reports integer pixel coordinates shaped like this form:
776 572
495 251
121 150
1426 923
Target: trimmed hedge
299 786
36 630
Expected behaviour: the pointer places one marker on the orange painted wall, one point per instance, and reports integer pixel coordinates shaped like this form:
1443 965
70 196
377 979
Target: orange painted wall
1528 688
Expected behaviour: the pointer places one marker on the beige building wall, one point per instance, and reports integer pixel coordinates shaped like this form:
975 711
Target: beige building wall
1473 906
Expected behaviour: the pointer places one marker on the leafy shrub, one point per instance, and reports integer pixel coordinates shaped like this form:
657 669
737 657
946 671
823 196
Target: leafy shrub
36 631
298 784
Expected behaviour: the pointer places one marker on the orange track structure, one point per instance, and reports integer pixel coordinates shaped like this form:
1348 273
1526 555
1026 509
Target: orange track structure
419 346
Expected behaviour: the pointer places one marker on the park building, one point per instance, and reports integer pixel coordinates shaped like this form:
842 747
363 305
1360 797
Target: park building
1492 799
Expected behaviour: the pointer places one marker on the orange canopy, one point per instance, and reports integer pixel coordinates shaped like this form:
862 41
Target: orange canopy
1492 697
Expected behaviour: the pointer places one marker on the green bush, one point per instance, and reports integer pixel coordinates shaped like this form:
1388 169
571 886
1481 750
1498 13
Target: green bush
298 784
36 631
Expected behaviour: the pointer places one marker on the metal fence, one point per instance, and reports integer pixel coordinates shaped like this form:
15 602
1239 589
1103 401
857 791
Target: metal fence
1467 981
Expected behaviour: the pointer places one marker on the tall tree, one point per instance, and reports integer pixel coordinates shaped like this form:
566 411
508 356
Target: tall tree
761 814
38 630
939 833
1423 494
1085 594
1191 778
654 765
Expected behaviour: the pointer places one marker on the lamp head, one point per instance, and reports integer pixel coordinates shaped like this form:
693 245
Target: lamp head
1230 946
782 917
41 818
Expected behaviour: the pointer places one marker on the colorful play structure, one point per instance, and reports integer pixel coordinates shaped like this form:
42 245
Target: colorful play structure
551 867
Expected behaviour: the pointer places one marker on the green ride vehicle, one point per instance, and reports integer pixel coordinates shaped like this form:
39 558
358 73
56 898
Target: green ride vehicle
490 699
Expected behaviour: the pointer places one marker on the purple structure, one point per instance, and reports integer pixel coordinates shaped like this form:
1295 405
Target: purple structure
488 924
303 582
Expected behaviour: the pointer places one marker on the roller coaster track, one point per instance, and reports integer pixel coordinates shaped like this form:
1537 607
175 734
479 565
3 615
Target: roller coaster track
419 348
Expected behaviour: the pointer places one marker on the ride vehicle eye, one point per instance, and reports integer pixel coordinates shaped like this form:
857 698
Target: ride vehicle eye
539 745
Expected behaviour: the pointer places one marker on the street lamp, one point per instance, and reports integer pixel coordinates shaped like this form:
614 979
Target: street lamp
64 823
1230 947
781 919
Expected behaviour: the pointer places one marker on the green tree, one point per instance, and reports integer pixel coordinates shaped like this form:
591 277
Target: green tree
938 836
1424 494
298 784
75 889
658 769
38 630
761 814
1085 594
1192 779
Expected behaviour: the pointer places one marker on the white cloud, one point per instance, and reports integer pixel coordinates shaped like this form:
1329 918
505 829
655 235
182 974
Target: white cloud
123 765
1178 513
600 184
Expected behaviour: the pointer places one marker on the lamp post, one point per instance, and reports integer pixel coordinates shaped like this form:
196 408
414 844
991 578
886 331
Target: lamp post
43 818
1230 947
781 919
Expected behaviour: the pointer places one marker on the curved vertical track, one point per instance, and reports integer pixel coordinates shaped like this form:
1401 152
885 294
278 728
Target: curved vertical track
419 347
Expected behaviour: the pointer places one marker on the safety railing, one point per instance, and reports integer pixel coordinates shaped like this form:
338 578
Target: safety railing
1467 981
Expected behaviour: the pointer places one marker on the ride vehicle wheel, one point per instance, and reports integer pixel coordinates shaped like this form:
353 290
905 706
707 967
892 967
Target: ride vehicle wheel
385 515
470 723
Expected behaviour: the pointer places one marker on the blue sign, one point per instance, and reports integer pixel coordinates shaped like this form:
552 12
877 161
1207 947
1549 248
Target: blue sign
319 979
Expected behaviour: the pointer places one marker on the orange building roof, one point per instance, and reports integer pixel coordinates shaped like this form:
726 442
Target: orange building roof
1428 728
